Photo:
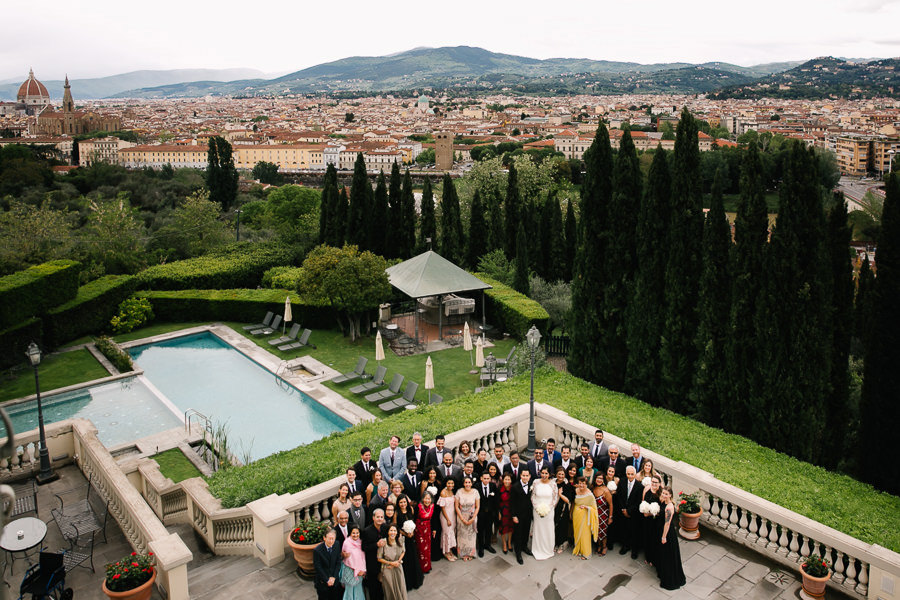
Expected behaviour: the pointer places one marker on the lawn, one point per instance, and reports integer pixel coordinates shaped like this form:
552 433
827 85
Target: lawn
175 465
55 371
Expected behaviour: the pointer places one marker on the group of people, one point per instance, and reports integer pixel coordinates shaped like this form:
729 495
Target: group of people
394 517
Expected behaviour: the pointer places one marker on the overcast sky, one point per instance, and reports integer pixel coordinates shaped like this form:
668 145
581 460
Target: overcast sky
105 37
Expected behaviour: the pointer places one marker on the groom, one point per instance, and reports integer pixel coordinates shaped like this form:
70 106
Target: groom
520 506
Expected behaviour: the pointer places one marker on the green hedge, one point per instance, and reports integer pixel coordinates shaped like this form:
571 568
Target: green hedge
30 292
90 310
14 341
282 278
830 498
512 312
249 306
239 266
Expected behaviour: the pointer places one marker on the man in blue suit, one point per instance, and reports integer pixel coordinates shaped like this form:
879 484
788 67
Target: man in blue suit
392 460
327 563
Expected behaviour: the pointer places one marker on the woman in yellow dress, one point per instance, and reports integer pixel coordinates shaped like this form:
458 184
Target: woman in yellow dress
584 519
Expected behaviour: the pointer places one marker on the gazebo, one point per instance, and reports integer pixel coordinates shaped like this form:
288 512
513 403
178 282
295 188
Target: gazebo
430 276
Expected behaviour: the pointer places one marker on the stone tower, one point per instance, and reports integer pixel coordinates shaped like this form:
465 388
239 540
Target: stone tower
443 151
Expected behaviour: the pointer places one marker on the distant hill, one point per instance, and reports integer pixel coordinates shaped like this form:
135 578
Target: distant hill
104 87
824 77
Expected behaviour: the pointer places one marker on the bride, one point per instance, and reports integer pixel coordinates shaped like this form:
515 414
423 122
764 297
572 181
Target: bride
544 496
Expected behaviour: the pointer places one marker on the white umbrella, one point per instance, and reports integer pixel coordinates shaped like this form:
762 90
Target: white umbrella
429 377
479 352
467 341
287 313
379 347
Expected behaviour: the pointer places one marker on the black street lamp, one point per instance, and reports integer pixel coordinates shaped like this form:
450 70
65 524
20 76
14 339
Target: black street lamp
46 475
533 338
491 364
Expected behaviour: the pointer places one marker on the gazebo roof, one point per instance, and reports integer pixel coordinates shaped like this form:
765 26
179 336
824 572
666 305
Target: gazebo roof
430 274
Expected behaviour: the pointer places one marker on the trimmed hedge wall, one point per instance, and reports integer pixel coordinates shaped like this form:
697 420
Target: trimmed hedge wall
30 292
511 311
14 341
249 306
238 266
90 310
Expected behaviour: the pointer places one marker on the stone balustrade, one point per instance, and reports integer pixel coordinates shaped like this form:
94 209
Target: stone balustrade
25 459
166 498
225 530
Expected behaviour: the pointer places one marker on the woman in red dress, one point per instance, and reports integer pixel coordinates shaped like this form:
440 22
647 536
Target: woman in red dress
424 533
506 523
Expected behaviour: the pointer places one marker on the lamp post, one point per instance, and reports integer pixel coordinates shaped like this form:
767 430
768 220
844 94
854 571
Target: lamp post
46 475
533 337
490 362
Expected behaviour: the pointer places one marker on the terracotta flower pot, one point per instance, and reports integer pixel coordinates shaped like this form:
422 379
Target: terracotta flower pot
303 554
142 592
690 525
813 587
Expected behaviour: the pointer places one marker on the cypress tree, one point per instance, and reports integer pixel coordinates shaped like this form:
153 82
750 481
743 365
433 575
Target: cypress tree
494 209
748 266
407 232
540 264
587 280
677 351
395 205
795 319
221 176
879 409
556 258
711 387
646 315
520 276
513 210
451 223
477 246
340 218
837 405
427 223
571 242
360 210
380 237
862 305
328 207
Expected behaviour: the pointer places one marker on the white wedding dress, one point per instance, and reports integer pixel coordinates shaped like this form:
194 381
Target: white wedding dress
543 531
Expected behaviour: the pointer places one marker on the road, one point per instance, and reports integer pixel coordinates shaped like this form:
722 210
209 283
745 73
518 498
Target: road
855 189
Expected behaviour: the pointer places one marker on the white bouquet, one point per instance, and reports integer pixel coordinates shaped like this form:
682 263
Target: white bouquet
645 481
409 527
654 508
612 486
431 490
542 509
644 507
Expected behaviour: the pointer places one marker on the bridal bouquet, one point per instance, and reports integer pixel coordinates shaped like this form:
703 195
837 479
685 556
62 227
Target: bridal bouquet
431 490
644 507
409 527
612 487
542 509
654 508
645 481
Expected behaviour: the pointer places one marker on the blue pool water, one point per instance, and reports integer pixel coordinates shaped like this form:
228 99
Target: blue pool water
263 414
123 410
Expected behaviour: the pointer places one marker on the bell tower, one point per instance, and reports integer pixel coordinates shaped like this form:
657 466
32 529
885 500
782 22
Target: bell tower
68 104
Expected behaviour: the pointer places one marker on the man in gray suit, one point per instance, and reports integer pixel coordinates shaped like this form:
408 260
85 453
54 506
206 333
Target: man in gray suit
392 460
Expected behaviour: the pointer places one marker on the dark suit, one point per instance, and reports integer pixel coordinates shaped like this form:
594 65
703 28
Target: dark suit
358 519
370 536
553 460
411 488
515 472
356 487
535 472
579 460
598 453
488 506
423 454
479 468
328 564
619 464
630 462
433 458
377 502
455 475
362 474
631 530
520 506
565 467
339 542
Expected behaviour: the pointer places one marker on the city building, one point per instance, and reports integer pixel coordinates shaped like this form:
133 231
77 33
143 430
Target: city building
443 150
32 96
69 121
105 149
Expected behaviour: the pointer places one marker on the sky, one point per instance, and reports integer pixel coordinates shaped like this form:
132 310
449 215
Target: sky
106 37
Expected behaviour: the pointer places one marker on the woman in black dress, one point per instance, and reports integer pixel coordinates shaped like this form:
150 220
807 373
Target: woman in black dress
668 560
650 523
563 514
406 522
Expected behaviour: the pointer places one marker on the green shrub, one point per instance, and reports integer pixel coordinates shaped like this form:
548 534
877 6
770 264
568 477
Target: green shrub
248 306
14 341
89 311
133 313
512 312
118 357
238 265
282 278
31 292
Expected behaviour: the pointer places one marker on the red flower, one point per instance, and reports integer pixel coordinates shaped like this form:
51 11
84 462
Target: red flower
301 538
134 553
135 565
116 576
149 554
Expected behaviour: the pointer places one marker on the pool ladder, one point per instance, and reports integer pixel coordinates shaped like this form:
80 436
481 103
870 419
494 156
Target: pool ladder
191 415
280 381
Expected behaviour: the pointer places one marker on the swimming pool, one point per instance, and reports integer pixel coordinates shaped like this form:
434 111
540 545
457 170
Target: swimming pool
263 413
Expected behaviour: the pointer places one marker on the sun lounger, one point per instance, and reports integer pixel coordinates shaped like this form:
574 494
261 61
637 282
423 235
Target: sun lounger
407 399
276 322
356 373
265 322
303 341
285 339
377 382
390 392
436 399
502 362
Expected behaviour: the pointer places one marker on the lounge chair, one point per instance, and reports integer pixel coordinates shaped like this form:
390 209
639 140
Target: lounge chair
358 371
272 328
502 362
303 341
436 399
390 392
407 399
290 337
265 322
374 384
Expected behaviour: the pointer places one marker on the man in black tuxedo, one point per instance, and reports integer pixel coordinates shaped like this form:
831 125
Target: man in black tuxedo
635 460
481 463
327 563
418 451
357 512
489 502
598 448
582 456
631 491
353 482
614 459
364 468
520 507
537 463
448 470
379 498
372 540
342 529
435 456
565 458
514 467
552 455
411 480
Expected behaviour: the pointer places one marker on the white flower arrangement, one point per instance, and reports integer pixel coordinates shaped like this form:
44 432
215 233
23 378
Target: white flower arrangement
431 490
612 486
645 481
542 509
644 507
654 508
409 527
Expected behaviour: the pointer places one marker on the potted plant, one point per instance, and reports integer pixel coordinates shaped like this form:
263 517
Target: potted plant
816 571
303 539
689 512
130 578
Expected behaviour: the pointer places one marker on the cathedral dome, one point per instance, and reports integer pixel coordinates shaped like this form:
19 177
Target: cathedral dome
33 91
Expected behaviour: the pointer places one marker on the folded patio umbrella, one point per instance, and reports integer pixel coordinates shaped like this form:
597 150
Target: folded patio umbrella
429 377
287 313
379 347
479 352
467 341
